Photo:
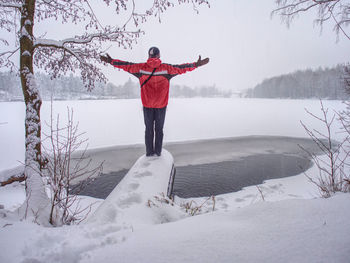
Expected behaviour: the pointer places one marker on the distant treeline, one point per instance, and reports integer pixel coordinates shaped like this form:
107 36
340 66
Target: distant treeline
72 88
321 83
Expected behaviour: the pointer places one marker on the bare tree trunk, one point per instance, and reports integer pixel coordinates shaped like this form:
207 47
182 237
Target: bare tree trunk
37 199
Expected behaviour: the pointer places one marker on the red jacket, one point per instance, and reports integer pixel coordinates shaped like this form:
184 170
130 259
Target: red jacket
155 93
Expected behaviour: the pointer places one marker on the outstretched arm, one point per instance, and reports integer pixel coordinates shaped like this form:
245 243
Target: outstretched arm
127 66
183 68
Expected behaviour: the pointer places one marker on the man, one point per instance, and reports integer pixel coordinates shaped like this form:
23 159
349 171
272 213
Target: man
154 77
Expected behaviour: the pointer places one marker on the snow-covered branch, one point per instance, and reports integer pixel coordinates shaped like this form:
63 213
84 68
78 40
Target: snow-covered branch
80 53
108 35
11 4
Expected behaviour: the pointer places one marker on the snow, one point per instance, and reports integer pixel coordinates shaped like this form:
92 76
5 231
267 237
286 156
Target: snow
12 196
24 33
26 53
288 231
187 119
293 224
291 230
147 178
28 22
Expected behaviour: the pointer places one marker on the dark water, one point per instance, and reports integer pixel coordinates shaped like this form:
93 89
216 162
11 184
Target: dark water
101 186
232 176
215 178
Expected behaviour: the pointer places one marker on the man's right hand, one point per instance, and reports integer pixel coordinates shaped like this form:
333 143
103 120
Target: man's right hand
106 59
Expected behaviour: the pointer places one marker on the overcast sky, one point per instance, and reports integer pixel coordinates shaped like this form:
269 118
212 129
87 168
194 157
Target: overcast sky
243 43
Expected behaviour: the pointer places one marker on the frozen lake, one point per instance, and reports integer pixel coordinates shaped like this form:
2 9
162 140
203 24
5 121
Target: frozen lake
120 122
213 166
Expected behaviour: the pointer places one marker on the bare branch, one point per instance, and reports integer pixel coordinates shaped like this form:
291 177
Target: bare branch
338 25
5 59
94 15
9 52
158 8
332 177
59 173
327 9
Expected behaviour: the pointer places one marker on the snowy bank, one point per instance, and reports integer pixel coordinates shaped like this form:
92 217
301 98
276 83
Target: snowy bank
242 228
288 231
315 230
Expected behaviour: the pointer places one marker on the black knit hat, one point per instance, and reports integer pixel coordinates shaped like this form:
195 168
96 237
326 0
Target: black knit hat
153 52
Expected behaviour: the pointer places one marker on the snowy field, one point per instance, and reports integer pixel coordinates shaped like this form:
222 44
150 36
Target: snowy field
120 122
283 220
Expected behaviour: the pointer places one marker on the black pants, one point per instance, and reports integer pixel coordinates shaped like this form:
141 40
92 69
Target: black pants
154 122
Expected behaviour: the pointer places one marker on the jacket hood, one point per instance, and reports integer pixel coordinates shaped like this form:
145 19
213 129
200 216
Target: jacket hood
154 62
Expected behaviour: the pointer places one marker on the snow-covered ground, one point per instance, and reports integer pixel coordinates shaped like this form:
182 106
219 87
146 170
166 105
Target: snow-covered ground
282 220
120 122
291 225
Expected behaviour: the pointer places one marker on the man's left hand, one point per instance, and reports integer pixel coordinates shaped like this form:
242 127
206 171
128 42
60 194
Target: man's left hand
201 62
